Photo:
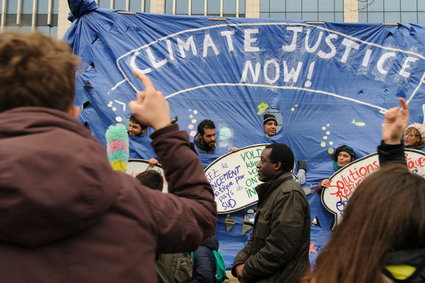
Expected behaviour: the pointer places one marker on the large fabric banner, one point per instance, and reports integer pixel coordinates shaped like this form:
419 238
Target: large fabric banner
327 84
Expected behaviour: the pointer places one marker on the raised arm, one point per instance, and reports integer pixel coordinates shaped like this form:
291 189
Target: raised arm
395 121
188 215
150 107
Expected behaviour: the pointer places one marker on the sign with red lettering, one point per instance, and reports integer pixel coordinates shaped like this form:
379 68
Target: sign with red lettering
345 181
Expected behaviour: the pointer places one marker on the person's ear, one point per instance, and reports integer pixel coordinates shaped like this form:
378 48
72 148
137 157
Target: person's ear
74 112
277 166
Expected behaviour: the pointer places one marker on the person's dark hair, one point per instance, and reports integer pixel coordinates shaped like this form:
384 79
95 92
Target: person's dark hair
133 119
281 152
205 124
385 214
36 70
345 148
151 179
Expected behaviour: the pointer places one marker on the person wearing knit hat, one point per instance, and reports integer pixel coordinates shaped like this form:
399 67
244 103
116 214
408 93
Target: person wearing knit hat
414 136
270 124
270 129
343 155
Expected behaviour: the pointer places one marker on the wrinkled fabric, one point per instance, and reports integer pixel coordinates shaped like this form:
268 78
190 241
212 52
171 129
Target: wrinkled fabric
79 8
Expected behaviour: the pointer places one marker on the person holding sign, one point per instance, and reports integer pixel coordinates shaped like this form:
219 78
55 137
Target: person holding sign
382 236
414 136
135 128
343 156
278 248
205 139
138 132
66 215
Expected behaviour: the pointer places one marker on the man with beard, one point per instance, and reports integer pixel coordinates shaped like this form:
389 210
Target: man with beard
205 138
135 128
278 248
138 133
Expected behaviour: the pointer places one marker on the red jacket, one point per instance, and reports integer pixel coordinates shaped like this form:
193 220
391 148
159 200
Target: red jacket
66 216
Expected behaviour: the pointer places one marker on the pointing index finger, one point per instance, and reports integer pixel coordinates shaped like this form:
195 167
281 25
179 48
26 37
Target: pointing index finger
403 103
147 83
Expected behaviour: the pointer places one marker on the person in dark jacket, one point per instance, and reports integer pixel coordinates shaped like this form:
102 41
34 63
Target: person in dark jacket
278 248
204 267
170 267
382 236
66 216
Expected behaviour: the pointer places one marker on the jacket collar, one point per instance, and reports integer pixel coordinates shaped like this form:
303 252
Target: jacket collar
264 189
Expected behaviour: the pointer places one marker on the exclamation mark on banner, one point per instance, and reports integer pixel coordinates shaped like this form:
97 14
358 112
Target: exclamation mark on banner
310 74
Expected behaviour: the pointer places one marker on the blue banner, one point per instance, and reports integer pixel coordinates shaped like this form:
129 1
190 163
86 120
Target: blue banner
328 84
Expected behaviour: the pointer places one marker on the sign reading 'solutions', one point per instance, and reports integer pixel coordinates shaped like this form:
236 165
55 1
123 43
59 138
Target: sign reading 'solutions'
234 177
346 180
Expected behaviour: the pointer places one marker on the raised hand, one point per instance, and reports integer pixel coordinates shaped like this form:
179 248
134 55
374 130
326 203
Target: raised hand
150 107
395 121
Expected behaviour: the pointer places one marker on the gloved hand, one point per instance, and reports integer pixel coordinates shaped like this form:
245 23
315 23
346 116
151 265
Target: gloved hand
301 176
302 164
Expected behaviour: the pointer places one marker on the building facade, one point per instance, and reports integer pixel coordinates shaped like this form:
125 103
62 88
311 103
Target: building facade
50 16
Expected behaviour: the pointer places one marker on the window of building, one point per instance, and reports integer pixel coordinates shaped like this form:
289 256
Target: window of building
133 5
391 11
230 8
303 10
22 15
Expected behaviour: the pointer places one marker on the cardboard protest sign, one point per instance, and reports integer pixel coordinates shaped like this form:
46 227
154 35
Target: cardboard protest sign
233 178
345 181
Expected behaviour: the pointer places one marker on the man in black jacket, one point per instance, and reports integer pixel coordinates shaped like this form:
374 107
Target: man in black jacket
279 244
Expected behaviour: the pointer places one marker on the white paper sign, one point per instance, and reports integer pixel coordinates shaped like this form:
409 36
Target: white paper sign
234 177
345 181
